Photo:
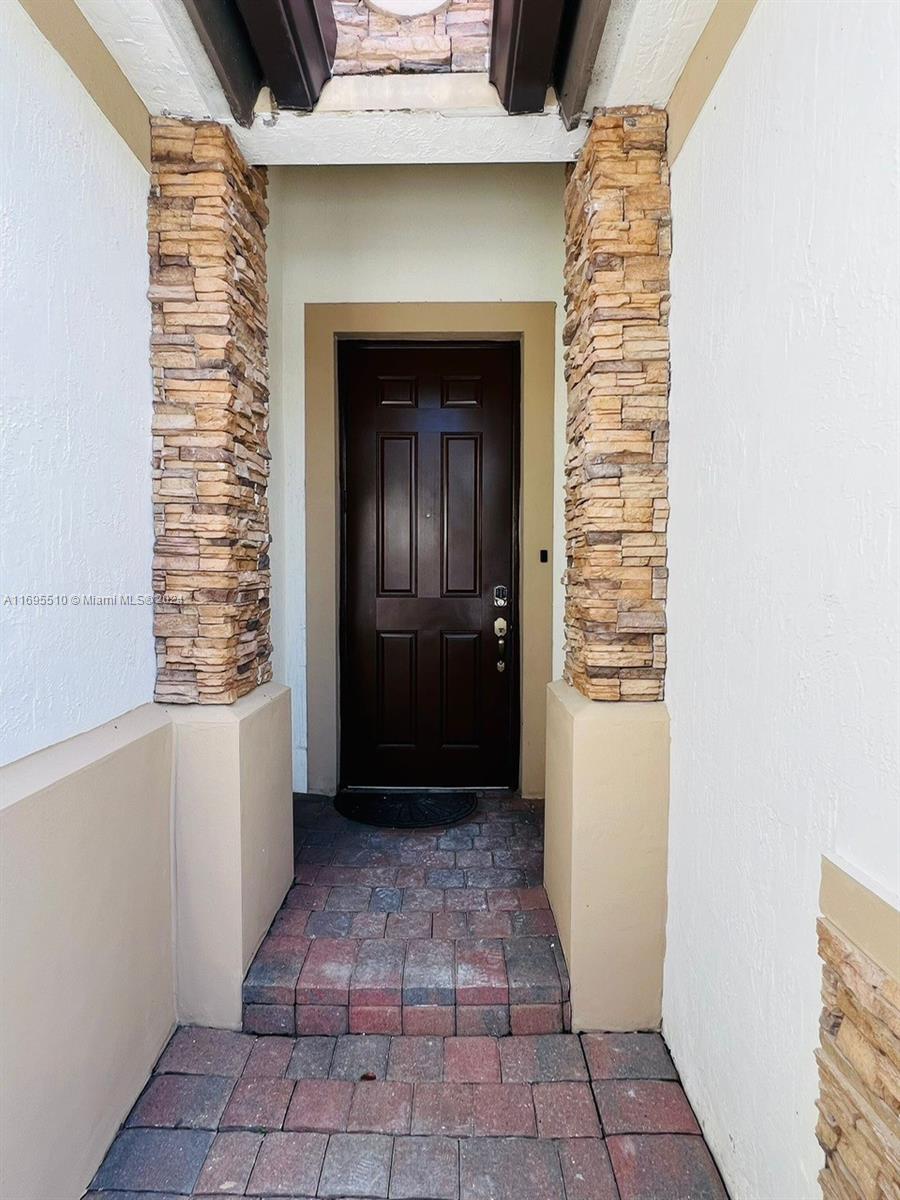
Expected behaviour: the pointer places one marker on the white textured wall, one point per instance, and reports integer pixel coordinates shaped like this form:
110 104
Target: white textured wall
374 234
75 516
783 609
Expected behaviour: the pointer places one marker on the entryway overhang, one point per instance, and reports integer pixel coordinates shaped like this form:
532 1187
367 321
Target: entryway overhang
631 54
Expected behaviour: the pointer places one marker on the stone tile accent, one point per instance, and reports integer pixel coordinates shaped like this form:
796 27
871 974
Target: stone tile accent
481 970
325 978
408 925
288 1164
321 1019
429 1019
416 1059
532 971
618 241
229 1163
509 1169
182 1102
207 222
490 924
443 1108
357 1164
381 1108
543 1059
859 1072
311 1058
450 926
377 978
627 1056
195 1050
425 1168
503 1110
154 1160
272 978
565 1110
587 1172
272 1019
428 973
360 1057
457 38
320 1105
643 1106
664 1166
269 1058
471 1060
530 1018
372 1019
482 1020
258 1104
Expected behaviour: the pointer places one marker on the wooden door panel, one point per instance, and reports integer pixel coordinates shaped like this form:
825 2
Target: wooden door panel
396 687
396 500
396 391
461 689
461 514
429 469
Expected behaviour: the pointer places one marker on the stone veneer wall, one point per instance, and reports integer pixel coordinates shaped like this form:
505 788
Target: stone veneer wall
455 39
618 242
207 221
859 1073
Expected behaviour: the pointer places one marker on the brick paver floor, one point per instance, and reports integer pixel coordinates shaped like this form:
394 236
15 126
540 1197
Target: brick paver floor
422 932
540 1117
423 973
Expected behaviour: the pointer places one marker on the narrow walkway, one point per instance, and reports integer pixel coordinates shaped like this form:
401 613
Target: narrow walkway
414 931
413 1118
438 953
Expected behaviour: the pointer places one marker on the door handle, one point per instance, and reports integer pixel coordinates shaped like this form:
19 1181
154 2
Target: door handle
500 630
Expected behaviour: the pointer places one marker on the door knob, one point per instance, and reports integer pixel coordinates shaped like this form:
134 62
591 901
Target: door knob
500 629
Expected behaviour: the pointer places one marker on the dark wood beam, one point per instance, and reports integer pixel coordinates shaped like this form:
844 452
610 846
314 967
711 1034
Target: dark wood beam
582 29
295 42
523 51
224 37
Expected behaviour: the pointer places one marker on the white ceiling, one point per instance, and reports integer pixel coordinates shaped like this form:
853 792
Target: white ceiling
399 119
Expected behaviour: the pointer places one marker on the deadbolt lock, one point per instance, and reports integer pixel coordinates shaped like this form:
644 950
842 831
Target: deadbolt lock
500 627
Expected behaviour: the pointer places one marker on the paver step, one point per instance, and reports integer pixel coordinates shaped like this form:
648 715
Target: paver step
546 1117
440 931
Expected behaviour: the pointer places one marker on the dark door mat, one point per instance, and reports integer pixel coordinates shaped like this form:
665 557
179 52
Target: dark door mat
406 810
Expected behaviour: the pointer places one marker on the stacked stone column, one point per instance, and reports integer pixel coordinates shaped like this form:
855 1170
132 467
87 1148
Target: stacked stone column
859 1072
618 241
207 224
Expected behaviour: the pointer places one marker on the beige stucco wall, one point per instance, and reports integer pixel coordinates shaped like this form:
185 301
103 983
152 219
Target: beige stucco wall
87 997
233 843
141 863
605 853
867 919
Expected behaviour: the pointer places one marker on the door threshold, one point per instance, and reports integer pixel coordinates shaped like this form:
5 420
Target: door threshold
406 808
386 787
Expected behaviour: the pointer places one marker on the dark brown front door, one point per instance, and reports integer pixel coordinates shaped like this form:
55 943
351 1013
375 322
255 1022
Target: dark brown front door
429 689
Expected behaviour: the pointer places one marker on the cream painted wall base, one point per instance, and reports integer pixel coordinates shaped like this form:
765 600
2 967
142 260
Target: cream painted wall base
233 844
607 800
87 998
103 946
